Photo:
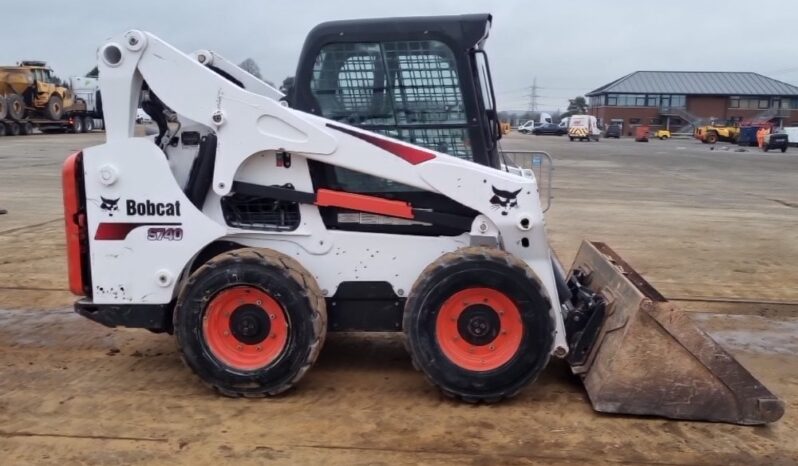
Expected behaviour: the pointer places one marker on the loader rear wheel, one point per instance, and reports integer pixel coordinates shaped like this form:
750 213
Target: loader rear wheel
16 106
3 107
479 324
250 322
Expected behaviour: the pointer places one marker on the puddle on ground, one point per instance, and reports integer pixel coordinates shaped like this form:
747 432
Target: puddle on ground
751 332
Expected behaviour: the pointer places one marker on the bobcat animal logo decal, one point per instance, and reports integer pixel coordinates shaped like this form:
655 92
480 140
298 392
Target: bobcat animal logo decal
504 200
109 205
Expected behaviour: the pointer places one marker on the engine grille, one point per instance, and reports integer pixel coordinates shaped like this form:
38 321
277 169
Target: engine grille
260 213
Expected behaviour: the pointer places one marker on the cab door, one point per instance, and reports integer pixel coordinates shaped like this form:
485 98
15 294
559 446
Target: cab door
44 87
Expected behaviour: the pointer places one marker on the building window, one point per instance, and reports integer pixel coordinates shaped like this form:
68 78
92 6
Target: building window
763 103
612 100
640 101
653 101
734 102
656 121
597 100
678 101
634 121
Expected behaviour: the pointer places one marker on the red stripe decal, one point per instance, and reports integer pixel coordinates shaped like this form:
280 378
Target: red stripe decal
119 231
413 155
363 203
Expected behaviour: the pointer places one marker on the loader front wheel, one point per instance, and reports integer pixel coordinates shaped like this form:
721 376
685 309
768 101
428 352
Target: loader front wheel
250 322
479 324
55 108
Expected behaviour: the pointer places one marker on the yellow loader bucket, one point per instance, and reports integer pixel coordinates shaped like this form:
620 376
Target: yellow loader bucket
637 354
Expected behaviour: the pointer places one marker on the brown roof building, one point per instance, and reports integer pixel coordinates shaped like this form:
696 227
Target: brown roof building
678 100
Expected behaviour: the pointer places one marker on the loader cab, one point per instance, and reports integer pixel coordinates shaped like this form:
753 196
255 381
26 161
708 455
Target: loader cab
423 80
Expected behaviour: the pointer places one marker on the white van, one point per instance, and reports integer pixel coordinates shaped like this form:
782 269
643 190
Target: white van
583 127
527 127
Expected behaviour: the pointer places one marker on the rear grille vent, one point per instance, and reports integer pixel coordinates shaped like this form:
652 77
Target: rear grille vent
260 213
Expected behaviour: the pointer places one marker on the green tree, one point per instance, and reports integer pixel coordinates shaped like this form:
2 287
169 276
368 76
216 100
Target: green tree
576 106
251 67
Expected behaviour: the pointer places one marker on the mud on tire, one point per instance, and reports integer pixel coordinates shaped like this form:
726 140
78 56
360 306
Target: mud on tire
250 322
479 324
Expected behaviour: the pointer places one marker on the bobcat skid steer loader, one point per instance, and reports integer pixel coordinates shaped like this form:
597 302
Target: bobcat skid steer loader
249 228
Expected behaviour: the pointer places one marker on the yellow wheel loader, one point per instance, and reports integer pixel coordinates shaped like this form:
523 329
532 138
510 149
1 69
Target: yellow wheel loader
712 133
373 198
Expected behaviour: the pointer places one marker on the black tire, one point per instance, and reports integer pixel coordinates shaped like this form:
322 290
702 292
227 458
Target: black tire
765 148
498 272
712 137
285 282
783 150
88 124
3 107
26 128
16 107
571 138
77 125
13 129
2 129
55 108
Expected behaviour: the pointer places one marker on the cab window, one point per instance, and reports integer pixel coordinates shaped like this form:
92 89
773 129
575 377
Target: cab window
407 90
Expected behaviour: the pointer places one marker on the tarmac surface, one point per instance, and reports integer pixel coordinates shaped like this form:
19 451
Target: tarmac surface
714 230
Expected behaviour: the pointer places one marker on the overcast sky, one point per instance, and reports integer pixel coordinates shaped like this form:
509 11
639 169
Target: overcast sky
571 47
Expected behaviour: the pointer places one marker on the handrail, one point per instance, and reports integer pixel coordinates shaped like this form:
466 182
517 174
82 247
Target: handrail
539 163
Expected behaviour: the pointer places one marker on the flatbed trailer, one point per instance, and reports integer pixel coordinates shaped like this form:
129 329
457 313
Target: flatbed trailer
76 119
82 117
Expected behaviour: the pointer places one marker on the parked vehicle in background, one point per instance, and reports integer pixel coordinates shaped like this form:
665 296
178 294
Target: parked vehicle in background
142 116
549 129
30 87
31 97
583 127
662 134
613 131
777 140
792 134
712 133
527 127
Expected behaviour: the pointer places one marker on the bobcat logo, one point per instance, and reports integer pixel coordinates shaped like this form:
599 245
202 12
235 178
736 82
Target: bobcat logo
109 205
504 200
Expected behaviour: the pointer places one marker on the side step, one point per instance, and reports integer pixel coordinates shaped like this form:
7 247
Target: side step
637 354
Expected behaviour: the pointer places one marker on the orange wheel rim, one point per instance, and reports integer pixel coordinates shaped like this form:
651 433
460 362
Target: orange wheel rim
245 328
479 329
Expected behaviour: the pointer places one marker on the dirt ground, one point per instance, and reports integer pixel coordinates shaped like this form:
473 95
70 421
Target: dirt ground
716 230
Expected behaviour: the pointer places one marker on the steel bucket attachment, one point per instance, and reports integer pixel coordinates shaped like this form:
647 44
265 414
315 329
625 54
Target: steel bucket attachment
637 354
